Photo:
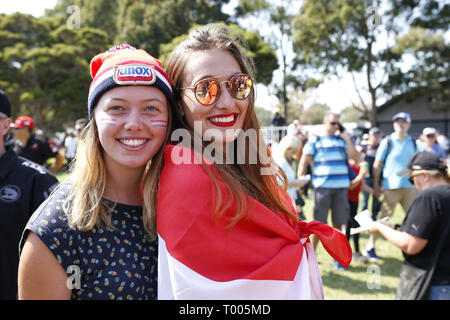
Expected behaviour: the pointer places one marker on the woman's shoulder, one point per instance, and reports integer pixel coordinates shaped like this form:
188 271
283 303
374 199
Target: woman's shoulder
442 191
50 210
184 159
49 221
184 171
180 154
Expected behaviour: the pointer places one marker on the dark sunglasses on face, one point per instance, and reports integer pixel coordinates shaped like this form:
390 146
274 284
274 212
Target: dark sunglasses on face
334 123
430 136
411 177
207 91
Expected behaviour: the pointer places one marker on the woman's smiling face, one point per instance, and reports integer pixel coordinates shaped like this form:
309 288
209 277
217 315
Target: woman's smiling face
223 119
132 124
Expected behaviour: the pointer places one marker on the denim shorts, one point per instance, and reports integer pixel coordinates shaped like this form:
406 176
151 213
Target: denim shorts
439 293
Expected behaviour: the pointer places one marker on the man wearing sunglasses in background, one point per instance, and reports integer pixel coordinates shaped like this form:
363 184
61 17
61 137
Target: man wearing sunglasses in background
328 156
392 155
425 226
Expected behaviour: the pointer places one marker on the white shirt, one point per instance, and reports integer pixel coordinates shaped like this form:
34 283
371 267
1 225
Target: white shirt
70 145
290 174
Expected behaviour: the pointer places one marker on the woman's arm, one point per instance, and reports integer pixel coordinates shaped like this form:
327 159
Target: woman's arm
406 242
40 275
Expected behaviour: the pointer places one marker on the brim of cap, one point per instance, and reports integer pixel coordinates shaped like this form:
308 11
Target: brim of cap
407 120
16 126
404 172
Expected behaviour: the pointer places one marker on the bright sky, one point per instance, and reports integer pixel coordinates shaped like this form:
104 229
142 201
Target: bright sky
33 7
334 92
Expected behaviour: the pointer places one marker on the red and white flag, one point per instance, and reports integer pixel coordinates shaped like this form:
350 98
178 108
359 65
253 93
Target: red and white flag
261 257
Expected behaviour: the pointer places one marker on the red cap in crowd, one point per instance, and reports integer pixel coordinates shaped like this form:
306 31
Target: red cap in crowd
23 122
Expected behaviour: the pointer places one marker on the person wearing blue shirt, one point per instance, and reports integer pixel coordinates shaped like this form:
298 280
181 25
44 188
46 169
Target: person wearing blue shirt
328 156
430 144
389 160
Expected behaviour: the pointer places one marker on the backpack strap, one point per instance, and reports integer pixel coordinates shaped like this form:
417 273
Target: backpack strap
389 147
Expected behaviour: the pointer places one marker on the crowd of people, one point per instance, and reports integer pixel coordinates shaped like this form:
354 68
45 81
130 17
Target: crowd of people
343 166
143 215
33 144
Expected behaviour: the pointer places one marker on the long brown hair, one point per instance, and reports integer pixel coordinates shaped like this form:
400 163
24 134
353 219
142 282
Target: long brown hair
241 180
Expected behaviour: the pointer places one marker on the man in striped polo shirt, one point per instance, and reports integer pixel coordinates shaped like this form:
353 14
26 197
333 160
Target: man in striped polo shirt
328 156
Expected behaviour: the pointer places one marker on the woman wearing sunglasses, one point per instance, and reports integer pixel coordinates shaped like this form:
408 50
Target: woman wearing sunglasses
226 229
94 238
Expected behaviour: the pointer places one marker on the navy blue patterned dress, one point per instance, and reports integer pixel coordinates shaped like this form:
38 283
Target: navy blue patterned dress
103 263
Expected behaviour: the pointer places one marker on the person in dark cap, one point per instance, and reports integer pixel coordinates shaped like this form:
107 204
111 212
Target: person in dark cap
375 136
24 185
27 145
424 236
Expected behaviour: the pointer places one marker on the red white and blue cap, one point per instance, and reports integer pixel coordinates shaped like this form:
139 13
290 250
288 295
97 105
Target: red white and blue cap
124 65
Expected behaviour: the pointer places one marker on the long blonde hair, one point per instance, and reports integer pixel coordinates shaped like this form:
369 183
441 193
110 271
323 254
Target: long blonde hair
84 206
241 180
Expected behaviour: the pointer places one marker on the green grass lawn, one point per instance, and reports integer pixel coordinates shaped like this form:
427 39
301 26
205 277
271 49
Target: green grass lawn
61 175
369 281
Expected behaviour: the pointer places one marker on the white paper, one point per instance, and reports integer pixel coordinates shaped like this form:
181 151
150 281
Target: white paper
365 221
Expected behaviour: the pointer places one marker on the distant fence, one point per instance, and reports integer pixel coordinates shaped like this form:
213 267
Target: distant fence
271 132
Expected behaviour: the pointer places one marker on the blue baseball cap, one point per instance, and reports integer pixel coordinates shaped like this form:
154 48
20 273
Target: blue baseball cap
402 115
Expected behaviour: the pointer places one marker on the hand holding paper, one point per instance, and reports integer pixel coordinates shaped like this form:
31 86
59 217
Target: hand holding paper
365 221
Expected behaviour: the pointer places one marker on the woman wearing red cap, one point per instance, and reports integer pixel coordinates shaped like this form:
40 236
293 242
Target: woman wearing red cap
94 238
226 229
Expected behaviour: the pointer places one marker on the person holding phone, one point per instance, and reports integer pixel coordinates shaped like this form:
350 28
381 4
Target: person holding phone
328 156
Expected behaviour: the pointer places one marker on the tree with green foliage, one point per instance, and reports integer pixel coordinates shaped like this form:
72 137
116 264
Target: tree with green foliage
424 42
45 68
337 36
314 114
97 14
44 62
280 18
145 24
260 51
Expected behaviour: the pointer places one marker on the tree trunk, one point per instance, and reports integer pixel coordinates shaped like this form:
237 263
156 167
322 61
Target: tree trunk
372 89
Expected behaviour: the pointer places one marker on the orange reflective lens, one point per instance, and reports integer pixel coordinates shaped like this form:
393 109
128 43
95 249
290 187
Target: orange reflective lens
207 91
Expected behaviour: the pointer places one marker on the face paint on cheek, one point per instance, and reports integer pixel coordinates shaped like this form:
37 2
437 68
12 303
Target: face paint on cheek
158 123
107 121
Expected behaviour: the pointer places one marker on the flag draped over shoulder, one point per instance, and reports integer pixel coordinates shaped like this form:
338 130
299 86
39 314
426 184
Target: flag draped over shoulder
261 257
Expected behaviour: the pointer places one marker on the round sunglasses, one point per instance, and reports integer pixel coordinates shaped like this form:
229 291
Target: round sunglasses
207 91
